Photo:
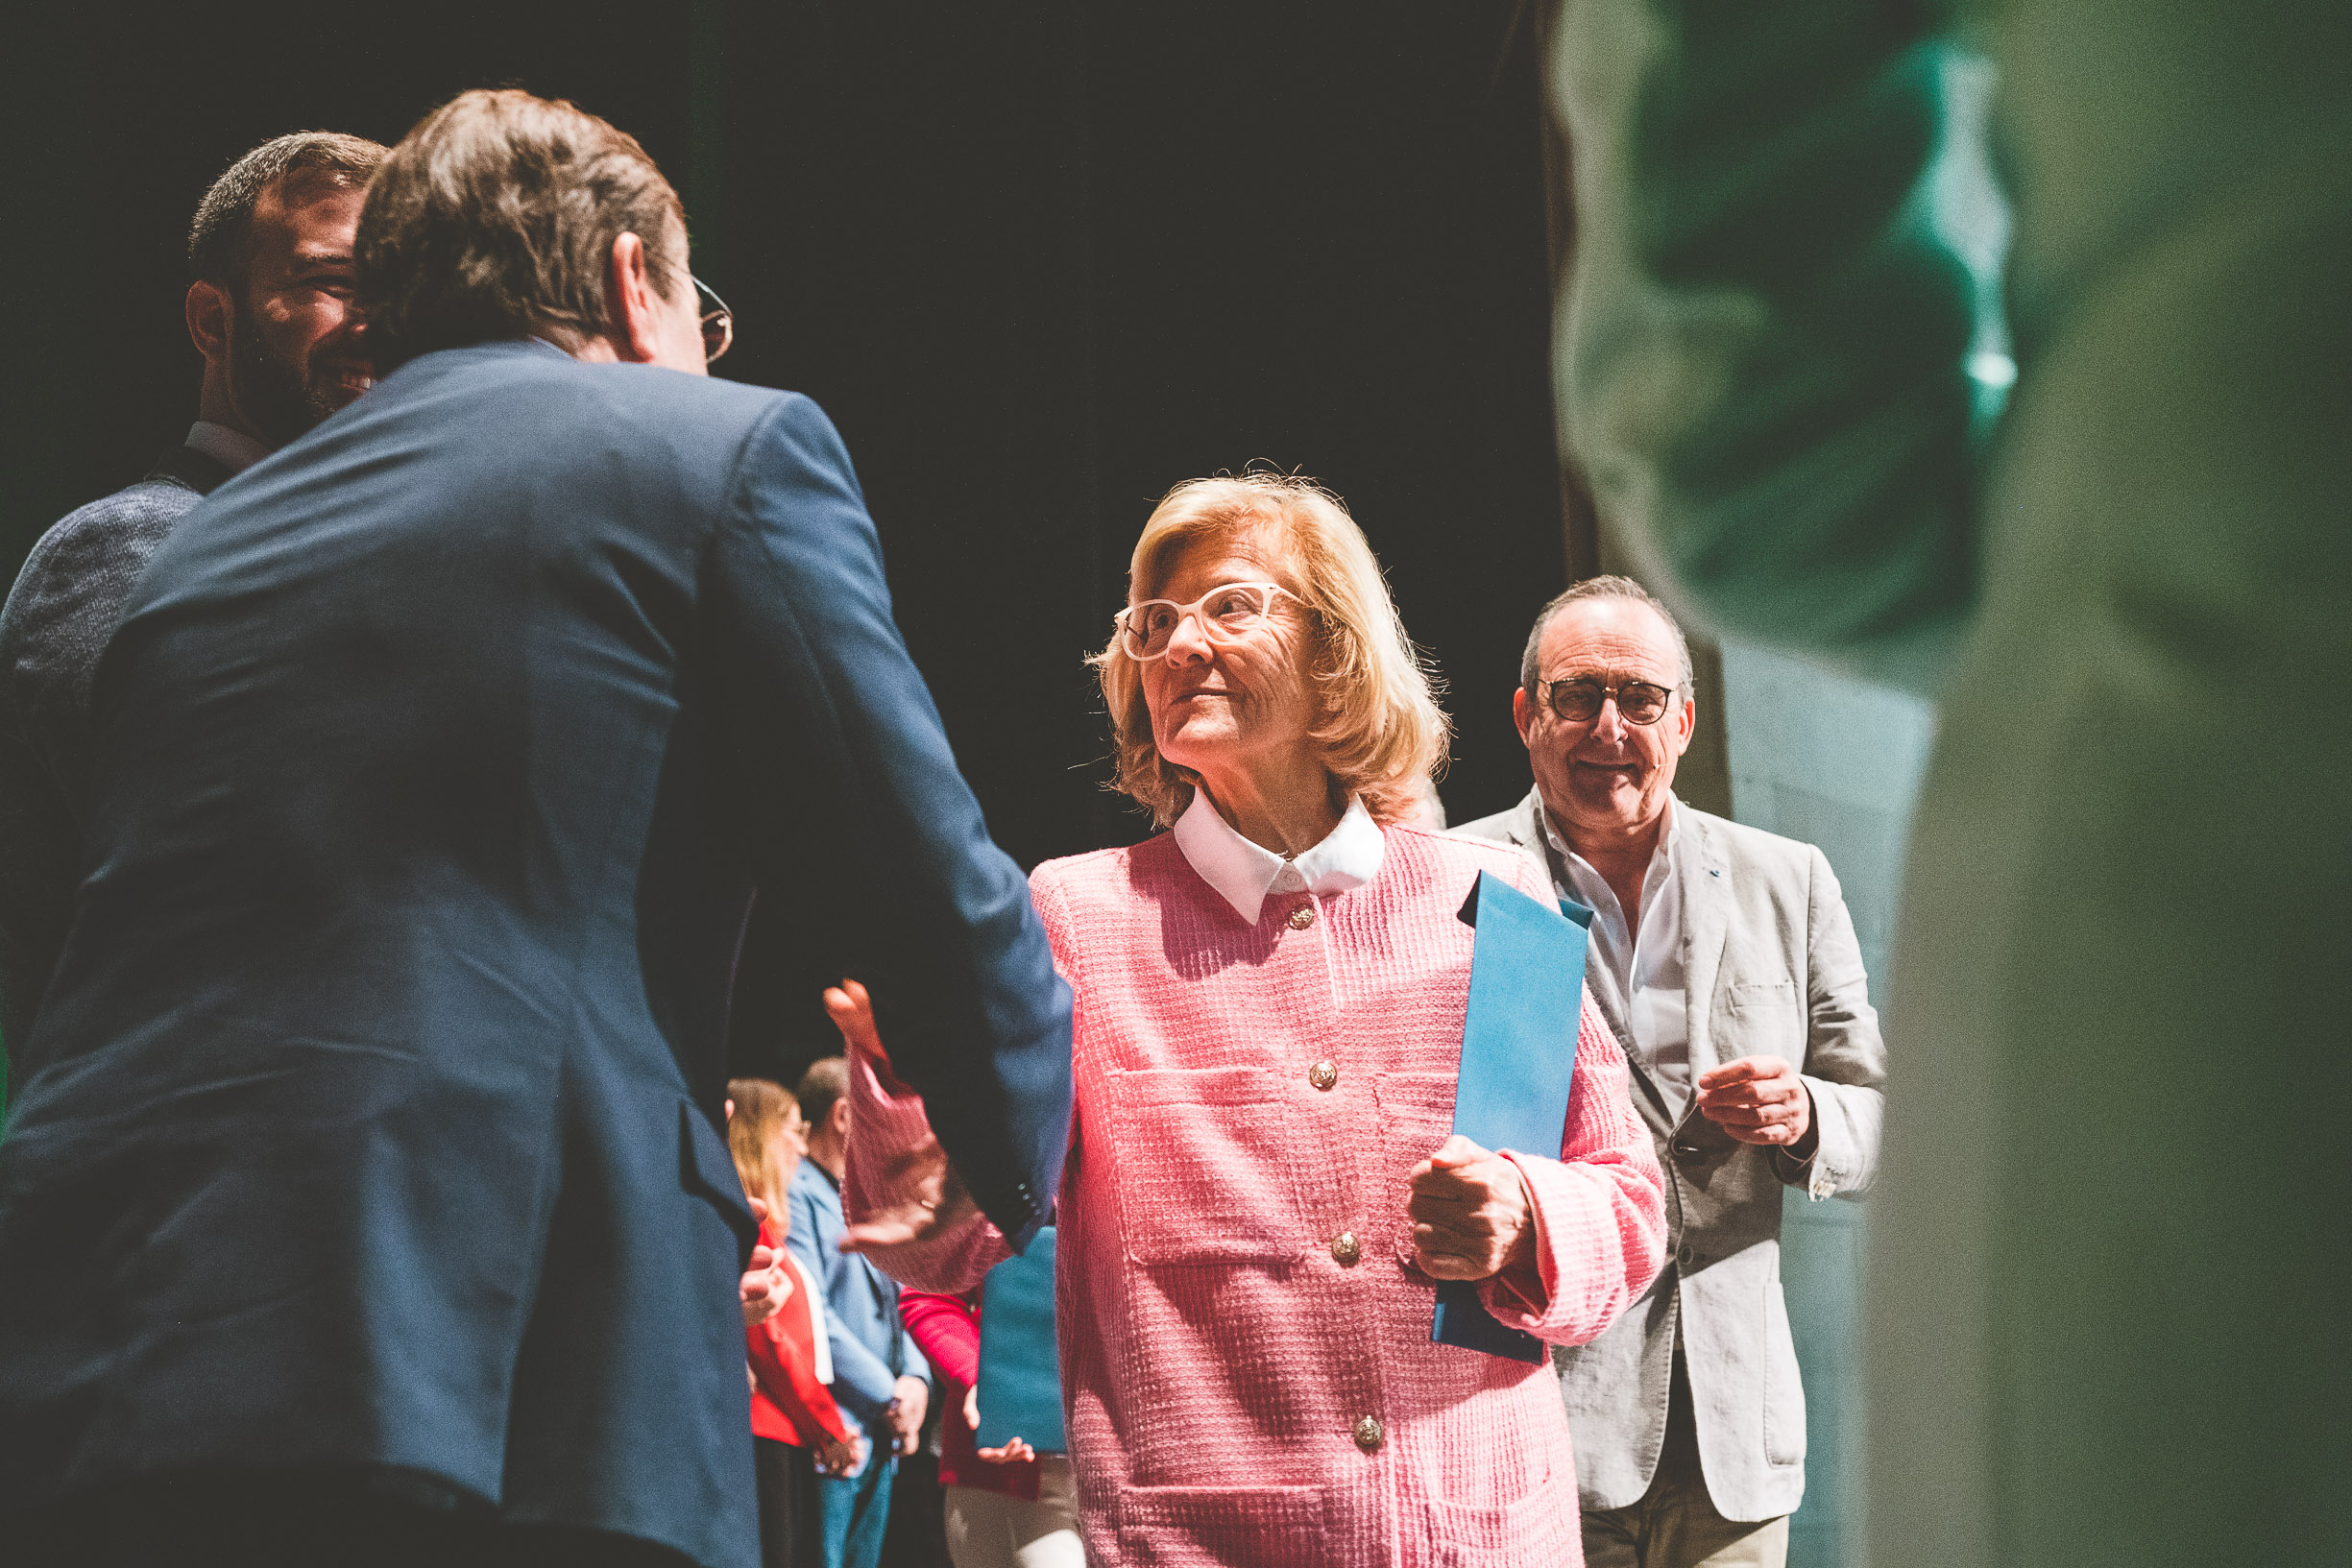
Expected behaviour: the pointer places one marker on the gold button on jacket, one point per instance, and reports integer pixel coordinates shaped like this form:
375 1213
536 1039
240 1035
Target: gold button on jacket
1323 1074
1303 917
1346 1250
1367 1432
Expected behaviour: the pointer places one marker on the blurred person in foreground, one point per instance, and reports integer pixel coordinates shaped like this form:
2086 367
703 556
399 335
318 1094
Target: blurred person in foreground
1724 960
880 1378
799 1432
1004 1508
365 1198
1818 247
1262 1192
268 307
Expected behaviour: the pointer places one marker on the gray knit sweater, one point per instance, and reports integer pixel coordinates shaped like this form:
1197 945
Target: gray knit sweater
56 624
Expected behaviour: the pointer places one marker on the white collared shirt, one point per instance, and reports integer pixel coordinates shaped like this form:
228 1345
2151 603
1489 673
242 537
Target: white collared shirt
1647 964
1245 872
232 450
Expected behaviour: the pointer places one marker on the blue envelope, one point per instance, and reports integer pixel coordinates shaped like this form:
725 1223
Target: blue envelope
1020 1358
1518 1060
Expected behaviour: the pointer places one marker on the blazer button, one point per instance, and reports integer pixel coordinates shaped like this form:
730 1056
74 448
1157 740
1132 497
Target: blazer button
1346 1250
1323 1074
1303 917
1368 1434
1686 1150
1685 1254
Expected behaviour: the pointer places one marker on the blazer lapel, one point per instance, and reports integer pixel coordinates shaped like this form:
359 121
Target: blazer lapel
1527 832
1707 917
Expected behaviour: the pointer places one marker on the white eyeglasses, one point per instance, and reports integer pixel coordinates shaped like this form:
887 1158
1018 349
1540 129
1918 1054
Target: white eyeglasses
1227 614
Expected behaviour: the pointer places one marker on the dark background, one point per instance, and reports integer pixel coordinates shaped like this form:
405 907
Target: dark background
1039 263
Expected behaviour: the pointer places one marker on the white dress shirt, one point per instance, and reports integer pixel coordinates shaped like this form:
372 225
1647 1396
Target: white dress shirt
1647 964
232 450
1245 872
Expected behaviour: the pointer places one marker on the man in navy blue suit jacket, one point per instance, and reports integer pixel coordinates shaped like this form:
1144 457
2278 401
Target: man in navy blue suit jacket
364 1148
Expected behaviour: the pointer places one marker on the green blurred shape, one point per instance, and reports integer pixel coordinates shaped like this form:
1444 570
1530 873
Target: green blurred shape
2106 1267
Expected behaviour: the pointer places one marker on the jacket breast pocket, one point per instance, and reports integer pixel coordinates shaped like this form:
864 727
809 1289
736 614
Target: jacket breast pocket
1207 1165
1764 1018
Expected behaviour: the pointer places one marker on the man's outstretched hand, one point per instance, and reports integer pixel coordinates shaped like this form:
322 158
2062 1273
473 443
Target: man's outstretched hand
936 1201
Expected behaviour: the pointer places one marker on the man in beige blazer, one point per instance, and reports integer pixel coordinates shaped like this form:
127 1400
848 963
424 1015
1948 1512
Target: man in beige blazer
1725 960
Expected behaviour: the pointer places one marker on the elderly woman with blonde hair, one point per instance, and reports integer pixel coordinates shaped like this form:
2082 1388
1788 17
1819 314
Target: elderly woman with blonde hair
1261 1192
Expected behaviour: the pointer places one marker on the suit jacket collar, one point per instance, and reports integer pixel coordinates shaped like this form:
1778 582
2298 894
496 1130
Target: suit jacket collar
1707 915
1525 826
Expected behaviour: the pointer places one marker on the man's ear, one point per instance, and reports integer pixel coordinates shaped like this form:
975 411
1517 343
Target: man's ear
633 301
211 320
838 1118
1522 714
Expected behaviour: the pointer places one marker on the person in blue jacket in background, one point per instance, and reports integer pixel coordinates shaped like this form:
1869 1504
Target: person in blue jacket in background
880 1378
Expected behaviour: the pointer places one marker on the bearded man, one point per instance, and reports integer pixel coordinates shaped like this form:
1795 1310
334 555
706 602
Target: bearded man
270 310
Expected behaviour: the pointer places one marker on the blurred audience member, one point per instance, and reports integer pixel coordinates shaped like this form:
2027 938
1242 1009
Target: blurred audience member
797 1430
1007 1508
270 309
879 1380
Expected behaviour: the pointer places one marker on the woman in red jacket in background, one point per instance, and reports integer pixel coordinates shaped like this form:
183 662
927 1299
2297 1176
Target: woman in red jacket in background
797 1432
1007 1508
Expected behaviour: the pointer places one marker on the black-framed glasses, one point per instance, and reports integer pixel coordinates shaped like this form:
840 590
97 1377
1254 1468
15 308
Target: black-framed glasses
1578 701
717 321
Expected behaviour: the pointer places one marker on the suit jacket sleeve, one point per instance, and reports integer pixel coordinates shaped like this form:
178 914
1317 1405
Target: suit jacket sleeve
948 1331
41 844
38 843
861 813
888 1124
1845 1056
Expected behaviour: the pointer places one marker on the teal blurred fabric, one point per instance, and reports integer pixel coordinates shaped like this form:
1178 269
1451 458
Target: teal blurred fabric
2106 1288
1020 1353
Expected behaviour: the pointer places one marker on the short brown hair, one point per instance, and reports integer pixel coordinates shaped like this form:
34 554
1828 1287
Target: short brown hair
822 1088
219 235
1382 736
494 218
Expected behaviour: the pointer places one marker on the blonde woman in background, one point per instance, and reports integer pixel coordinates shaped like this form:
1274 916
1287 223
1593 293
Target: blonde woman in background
797 1430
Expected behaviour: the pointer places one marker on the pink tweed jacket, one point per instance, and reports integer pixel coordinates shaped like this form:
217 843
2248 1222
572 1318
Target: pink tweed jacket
1245 1341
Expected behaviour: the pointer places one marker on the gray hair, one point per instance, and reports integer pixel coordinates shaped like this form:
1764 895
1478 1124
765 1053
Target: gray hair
216 237
1604 588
